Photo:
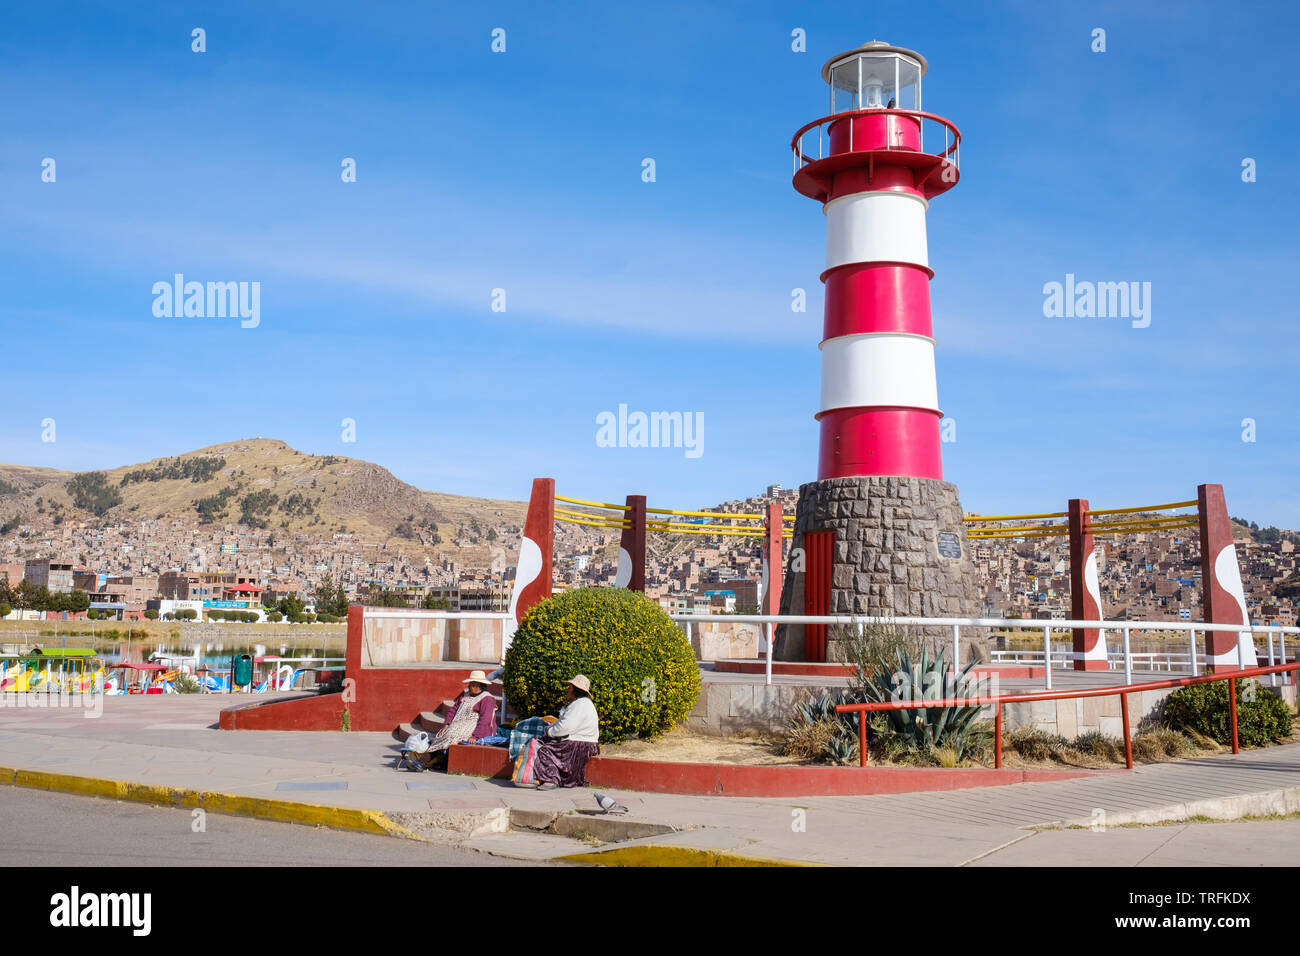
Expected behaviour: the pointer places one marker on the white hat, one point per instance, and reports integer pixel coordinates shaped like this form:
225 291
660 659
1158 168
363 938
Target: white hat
476 677
581 682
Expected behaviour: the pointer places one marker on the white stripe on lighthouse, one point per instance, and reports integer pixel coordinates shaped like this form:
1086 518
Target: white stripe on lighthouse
879 368
876 227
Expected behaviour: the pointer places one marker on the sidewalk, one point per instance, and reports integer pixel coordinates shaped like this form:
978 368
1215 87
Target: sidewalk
168 741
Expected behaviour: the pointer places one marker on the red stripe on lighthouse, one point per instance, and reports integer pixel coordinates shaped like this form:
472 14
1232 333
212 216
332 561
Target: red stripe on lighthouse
879 441
877 298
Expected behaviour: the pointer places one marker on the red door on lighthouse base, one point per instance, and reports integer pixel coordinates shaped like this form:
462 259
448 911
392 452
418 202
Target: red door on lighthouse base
819 549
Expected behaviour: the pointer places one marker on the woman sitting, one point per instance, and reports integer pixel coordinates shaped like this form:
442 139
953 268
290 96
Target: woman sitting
571 741
473 716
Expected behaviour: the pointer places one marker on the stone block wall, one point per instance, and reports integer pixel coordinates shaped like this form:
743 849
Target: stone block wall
900 550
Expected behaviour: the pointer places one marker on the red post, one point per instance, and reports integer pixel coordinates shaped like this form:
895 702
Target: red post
773 565
1128 736
862 739
1085 591
1232 710
631 549
997 739
536 551
1224 597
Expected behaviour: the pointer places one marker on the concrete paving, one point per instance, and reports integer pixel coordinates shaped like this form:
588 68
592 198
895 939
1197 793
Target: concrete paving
169 740
60 829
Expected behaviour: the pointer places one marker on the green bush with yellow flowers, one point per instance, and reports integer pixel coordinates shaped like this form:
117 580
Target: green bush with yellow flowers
644 678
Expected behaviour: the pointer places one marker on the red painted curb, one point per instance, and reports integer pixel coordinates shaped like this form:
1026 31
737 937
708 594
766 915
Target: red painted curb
317 712
735 780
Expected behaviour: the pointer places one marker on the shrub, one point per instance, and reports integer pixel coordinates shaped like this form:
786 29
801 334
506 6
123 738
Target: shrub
644 678
1161 744
151 614
275 617
1096 744
1203 708
1034 744
818 733
185 684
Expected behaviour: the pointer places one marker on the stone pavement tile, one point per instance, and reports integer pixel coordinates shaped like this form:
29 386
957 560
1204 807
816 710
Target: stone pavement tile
1081 848
311 785
457 802
440 783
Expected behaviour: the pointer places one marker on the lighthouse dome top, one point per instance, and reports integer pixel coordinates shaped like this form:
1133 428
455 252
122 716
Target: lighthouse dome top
875 46
876 75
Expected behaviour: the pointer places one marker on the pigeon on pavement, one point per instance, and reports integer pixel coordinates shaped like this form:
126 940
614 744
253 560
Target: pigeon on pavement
609 805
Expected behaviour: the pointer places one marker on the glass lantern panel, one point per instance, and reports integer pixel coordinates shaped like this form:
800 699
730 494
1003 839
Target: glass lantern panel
878 80
909 84
844 86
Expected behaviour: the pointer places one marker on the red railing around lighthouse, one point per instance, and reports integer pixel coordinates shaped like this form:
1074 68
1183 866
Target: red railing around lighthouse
951 136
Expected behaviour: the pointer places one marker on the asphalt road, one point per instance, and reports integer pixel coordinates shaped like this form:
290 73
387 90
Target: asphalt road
56 829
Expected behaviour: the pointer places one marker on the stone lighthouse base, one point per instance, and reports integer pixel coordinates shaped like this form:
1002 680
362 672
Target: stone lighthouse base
899 549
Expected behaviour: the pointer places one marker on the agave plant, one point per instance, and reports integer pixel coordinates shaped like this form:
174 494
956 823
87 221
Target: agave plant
842 746
923 728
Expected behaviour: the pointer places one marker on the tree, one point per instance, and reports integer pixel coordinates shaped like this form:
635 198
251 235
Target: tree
331 599
290 606
5 610
151 614
90 490
78 600
431 603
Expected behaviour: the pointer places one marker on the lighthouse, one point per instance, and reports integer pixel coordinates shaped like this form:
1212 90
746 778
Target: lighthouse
879 531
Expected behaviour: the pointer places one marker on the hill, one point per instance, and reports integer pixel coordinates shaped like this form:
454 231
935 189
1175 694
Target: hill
261 484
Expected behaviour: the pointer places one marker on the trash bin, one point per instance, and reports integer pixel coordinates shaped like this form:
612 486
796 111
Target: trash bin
243 671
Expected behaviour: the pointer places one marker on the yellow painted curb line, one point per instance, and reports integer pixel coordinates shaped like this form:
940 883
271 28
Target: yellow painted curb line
311 814
665 855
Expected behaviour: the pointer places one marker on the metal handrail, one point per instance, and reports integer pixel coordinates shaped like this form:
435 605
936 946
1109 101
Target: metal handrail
1121 691
800 157
769 621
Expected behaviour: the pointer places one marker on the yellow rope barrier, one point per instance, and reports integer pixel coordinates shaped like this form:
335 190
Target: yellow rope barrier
728 527
1028 527
705 514
1129 511
1016 534
1135 529
673 529
596 524
589 517
1178 521
591 504
1046 514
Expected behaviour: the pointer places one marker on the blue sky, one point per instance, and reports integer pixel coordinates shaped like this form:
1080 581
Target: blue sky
522 171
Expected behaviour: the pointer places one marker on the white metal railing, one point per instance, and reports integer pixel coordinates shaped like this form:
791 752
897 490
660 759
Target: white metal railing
955 625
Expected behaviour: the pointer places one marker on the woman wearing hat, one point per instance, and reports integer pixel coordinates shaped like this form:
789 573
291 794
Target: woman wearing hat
473 715
571 741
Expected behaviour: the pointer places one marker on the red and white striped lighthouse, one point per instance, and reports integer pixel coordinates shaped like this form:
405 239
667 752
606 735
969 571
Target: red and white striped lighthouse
875 163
